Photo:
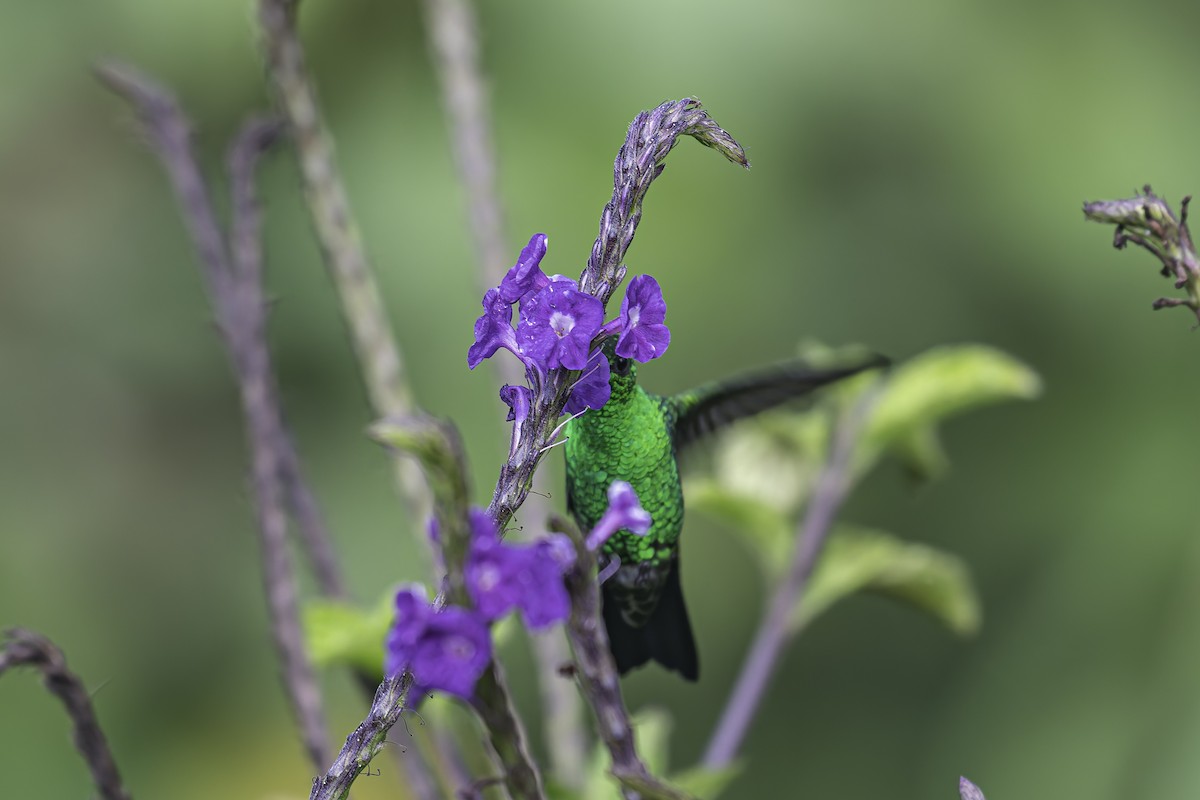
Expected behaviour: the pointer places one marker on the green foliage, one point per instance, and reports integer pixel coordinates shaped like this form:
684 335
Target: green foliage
927 389
338 633
653 726
765 471
765 530
342 634
861 559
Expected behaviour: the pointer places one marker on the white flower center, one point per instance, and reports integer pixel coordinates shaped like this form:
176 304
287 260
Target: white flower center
462 649
487 578
561 323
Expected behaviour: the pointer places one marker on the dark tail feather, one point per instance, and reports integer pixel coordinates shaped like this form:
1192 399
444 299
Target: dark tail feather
666 637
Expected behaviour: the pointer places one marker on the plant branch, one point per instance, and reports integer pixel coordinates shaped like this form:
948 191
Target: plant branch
1147 221
454 36
598 677
25 648
773 632
236 293
362 304
436 445
650 138
390 702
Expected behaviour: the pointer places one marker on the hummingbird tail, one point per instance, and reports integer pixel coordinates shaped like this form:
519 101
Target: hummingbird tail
666 637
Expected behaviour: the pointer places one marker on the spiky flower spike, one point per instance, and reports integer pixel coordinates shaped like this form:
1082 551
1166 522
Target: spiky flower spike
1147 221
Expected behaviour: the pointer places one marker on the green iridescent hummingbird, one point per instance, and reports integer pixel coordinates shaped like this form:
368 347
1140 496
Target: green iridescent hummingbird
637 437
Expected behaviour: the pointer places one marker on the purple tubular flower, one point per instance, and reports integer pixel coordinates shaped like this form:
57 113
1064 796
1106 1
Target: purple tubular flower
592 389
445 651
643 334
526 275
624 513
501 577
453 652
493 330
519 400
557 326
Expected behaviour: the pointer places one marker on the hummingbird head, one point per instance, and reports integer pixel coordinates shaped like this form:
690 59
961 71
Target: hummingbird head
622 377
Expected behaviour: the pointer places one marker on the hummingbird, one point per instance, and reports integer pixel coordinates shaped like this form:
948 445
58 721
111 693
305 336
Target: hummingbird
637 437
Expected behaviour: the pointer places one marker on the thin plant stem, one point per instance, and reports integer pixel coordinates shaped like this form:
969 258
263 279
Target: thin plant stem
234 281
597 674
24 648
454 38
362 304
437 446
773 632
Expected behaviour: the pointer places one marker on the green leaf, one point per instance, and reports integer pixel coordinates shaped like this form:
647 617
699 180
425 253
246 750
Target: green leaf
860 559
653 730
926 389
705 782
920 452
341 633
766 530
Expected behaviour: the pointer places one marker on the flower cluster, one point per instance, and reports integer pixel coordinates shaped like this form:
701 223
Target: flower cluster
558 326
448 650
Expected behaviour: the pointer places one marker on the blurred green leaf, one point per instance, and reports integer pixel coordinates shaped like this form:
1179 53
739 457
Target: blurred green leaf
926 389
921 454
766 530
341 633
705 782
860 559
653 727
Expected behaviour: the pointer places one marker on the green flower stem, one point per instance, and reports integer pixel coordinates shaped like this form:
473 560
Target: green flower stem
1147 221
362 305
26 648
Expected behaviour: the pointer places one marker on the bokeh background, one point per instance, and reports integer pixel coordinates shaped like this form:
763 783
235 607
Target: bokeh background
917 179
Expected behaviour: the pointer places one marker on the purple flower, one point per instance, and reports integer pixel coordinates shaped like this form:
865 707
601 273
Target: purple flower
493 329
643 334
501 577
624 513
526 275
592 389
518 399
445 651
557 325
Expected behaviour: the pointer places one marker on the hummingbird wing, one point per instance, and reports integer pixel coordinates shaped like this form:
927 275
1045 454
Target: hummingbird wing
702 411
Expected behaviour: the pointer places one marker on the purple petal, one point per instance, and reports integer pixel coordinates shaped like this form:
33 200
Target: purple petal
453 652
968 790
493 329
501 577
526 275
483 527
624 513
519 400
592 390
643 334
557 326
408 625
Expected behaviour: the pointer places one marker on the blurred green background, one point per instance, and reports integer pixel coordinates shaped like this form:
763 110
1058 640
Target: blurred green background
918 173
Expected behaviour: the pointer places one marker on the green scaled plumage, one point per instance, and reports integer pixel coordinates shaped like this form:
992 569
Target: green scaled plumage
637 437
